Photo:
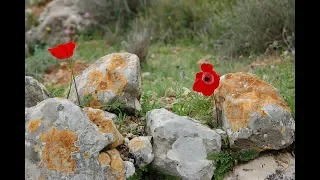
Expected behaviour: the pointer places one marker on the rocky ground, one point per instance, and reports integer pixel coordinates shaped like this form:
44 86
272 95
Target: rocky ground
68 140
139 121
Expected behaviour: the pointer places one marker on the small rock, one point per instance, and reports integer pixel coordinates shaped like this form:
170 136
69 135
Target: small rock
126 141
114 77
130 169
146 74
141 149
35 92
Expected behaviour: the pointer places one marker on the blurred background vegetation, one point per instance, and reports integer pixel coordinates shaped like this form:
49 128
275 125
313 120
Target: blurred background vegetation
176 34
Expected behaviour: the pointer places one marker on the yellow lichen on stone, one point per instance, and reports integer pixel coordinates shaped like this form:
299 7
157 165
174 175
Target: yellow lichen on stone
56 154
104 159
117 61
33 125
111 80
105 125
87 155
116 163
136 144
241 94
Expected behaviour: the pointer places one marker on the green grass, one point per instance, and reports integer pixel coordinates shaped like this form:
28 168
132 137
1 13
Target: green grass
149 173
282 77
227 159
166 66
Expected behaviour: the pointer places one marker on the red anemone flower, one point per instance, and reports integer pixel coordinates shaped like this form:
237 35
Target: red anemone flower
207 80
63 51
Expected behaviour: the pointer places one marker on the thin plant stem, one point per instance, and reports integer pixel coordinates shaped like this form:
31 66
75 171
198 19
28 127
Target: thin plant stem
74 81
69 88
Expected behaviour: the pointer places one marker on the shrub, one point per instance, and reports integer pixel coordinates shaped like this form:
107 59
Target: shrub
255 25
138 41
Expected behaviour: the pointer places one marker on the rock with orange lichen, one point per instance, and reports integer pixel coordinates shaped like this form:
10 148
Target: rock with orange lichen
35 92
113 78
103 120
117 166
141 149
61 142
253 113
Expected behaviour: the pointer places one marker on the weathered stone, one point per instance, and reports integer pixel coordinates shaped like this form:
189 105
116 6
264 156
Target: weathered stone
141 149
105 124
130 169
117 165
62 143
181 145
113 78
254 115
265 167
35 92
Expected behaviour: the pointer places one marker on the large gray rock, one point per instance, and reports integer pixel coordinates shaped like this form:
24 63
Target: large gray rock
35 92
253 113
265 167
113 78
141 149
181 145
62 143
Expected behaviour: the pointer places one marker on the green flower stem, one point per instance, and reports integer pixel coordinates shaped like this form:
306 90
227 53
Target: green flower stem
74 81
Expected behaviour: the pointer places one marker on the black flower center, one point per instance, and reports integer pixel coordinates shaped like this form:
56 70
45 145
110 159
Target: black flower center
207 78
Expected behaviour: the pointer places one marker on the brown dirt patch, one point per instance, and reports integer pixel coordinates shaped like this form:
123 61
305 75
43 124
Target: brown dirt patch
61 75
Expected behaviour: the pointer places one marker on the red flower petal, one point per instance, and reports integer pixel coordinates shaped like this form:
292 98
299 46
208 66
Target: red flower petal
63 51
199 75
206 67
205 89
70 48
198 86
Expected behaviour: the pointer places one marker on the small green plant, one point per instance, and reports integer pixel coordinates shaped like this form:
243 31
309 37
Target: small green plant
149 173
86 99
149 101
56 91
227 159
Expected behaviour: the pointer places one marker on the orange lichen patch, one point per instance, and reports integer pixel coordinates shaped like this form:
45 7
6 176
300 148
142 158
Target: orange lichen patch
86 155
95 103
283 129
61 75
104 159
117 163
117 62
241 94
112 80
42 178
37 148
267 147
105 125
136 144
57 151
33 125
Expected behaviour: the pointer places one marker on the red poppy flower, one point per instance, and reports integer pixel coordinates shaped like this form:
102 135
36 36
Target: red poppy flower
63 51
207 80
